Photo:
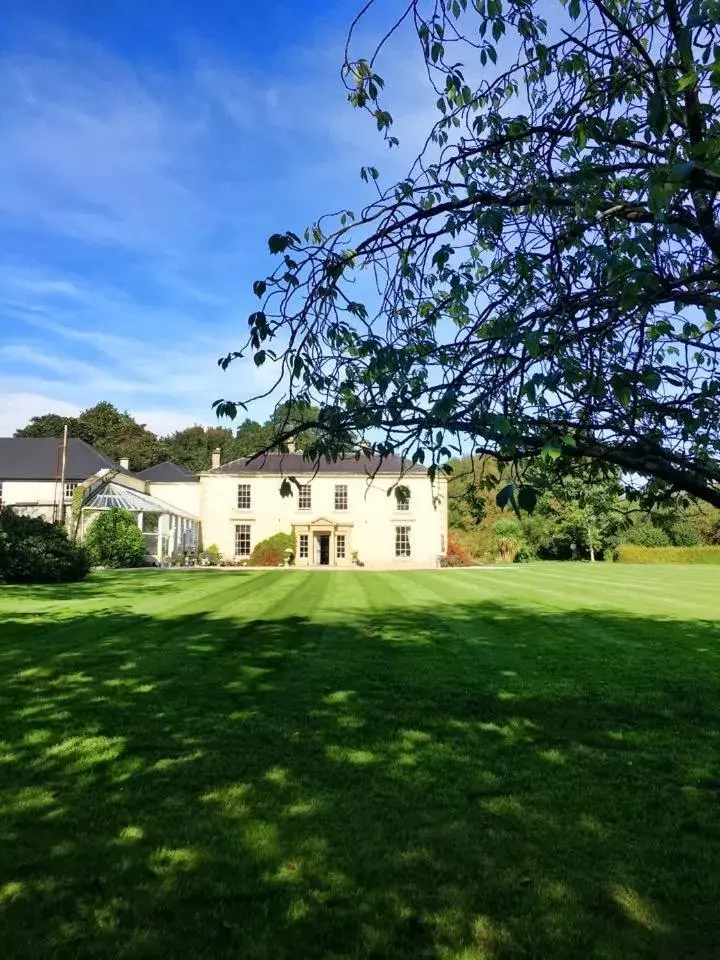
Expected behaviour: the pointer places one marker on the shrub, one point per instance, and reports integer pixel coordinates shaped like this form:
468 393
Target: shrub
645 534
630 553
685 533
272 552
509 539
526 554
114 540
456 556
212 555
35 551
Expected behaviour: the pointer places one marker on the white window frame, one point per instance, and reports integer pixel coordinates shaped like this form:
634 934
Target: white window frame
340 546
243 531
305 497
341 496
402 503
69 489
303 546
403 547
245 495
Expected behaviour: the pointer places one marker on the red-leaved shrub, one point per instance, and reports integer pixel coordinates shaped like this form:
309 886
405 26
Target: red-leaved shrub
456 556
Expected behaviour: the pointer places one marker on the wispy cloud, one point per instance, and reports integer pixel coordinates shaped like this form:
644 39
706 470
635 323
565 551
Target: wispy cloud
136 201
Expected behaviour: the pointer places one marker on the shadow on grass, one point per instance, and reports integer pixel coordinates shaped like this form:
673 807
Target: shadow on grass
478 784
125 583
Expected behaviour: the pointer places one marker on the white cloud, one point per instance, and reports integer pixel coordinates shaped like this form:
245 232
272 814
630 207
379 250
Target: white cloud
138 203
17 408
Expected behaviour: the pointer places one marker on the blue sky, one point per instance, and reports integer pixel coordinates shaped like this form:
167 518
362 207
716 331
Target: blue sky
149 149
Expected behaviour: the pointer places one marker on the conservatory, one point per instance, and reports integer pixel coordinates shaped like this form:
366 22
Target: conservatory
168 531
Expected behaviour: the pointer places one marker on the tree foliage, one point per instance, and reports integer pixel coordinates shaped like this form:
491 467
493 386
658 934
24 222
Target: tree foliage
119 435
546 276
35 551
107 429
115 540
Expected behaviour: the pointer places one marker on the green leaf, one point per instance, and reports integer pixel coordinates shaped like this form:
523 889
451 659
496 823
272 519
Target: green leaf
551 450
621 388
657 112
259 288
504 496
687 80
652 379
527 498
259 358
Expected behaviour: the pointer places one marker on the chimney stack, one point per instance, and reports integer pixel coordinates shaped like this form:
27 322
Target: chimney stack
216 458
125 463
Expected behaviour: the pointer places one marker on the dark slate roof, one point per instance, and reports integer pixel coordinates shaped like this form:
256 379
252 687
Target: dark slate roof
37 458
168 472
292 464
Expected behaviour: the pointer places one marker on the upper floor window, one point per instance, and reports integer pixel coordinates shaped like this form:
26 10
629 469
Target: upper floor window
305 497
242 540
341 496
243 496
402 498
70 490
402 541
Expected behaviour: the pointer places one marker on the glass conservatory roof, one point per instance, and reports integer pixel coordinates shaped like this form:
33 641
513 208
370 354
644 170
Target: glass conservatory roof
115 495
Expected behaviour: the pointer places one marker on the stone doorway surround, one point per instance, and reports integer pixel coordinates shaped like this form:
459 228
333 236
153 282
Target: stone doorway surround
330 528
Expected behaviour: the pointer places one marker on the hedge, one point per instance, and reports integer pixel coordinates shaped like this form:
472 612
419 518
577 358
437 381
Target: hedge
629 553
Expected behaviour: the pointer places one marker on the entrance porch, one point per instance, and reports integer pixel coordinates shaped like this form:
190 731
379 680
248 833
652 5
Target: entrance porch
323 543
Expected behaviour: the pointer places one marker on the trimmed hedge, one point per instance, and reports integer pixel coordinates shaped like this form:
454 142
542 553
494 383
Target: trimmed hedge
629 553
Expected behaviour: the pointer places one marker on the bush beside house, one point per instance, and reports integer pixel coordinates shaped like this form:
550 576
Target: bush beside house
273 551
114 540
35 551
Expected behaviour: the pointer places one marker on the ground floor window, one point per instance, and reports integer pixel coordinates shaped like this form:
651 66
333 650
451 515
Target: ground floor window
340 546
304 546
402 541
242 540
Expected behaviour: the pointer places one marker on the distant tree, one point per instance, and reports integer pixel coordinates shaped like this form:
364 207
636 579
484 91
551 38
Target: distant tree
193 447
547 274
105 428
250 438
50 425
119 435
579 511
114 540
309 427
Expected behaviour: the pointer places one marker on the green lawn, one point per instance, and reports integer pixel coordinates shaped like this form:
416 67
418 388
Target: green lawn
509 763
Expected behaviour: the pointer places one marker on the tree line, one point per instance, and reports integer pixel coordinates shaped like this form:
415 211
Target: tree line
582 513
118 434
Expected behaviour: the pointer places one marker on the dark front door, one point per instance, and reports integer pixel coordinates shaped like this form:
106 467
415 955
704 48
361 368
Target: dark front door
324 540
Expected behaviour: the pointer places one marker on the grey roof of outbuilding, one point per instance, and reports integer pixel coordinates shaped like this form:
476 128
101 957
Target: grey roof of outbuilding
167 472
37 458
292 464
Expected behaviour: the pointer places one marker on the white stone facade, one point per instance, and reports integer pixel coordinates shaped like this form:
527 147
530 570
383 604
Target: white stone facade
347 517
